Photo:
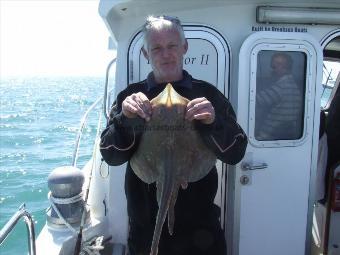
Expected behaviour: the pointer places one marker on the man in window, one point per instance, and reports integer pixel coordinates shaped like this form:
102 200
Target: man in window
279 104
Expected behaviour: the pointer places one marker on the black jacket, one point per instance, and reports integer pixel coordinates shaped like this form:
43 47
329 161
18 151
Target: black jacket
197 228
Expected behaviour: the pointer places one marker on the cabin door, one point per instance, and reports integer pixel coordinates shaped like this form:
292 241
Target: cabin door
279 107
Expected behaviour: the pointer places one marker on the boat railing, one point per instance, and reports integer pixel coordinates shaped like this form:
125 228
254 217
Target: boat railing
7 229
80 130
86 114
105 108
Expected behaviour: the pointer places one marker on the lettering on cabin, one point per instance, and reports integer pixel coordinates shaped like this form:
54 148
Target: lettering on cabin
201 60
204 59
189 60
300 29
279 29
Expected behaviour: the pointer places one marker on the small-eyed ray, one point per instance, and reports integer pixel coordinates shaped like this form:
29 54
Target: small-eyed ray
171 153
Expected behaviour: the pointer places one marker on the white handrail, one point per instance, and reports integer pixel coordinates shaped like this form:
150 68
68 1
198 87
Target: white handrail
80 131
84 118
106 112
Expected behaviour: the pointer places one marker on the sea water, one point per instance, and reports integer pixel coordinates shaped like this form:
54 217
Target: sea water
39 120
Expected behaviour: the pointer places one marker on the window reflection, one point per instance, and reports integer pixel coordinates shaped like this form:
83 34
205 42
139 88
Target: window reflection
280 90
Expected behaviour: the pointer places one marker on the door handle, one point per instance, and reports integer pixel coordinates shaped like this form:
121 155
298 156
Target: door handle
248 166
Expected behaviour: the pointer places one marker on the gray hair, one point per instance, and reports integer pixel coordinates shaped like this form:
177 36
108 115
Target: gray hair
163 22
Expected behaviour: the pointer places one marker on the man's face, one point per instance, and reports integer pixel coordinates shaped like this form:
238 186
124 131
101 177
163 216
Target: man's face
279 66
165 51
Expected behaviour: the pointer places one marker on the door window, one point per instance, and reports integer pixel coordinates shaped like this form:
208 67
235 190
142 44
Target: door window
279 94
280 90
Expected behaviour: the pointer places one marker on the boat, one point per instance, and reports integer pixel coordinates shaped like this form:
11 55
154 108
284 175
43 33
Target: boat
270 202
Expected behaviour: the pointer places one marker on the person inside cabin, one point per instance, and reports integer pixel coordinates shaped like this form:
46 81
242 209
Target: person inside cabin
197 228
279 103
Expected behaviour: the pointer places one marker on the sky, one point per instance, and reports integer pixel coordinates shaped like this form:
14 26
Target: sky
52 38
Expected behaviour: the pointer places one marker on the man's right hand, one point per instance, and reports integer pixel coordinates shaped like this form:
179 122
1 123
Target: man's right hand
137 105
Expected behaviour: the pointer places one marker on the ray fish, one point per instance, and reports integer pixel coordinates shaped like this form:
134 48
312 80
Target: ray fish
171 153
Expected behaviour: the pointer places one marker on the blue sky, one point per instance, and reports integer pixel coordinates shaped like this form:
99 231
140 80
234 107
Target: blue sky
52 37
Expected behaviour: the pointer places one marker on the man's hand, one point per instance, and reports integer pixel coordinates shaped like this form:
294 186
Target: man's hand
137 105
200 109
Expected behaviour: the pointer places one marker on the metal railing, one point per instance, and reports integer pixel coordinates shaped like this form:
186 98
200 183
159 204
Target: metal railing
84 118
7 229
80 131
106 113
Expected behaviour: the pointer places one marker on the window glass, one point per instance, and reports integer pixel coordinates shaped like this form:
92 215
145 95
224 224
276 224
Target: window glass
331 70
280 90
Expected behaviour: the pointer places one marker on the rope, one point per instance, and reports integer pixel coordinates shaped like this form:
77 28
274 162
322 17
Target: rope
92 246
54 200
65 201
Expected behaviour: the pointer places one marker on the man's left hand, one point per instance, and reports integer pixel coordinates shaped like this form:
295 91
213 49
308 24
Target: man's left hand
200 109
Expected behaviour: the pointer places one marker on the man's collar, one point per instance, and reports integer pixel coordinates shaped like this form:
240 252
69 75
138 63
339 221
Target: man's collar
185 82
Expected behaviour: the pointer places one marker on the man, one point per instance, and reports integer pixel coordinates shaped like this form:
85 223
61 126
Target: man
197 228
279 113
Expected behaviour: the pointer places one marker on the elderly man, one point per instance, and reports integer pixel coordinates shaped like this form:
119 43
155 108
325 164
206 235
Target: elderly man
197 228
